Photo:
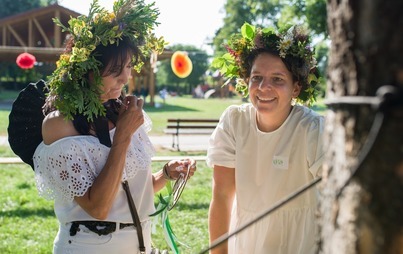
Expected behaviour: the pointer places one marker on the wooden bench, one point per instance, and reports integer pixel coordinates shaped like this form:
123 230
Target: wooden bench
177 127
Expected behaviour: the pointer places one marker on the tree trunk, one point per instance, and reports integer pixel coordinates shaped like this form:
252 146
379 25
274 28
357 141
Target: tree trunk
366 53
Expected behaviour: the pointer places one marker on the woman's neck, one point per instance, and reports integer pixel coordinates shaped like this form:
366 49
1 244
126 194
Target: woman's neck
271 122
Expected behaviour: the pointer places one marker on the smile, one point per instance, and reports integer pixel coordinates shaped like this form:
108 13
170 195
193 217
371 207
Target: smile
269 99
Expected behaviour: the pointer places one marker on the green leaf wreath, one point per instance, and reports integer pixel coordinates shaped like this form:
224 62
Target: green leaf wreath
290 41
130 18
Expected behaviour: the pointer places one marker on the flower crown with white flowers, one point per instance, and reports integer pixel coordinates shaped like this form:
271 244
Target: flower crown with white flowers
288 43
132 19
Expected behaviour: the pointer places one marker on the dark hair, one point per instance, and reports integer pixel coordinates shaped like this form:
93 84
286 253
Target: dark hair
112 59
114 56
298 67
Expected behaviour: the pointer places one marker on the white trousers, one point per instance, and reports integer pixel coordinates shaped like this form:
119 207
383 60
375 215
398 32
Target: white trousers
85 241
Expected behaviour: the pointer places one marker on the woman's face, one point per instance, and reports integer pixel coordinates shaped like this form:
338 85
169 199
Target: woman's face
271 86
114 82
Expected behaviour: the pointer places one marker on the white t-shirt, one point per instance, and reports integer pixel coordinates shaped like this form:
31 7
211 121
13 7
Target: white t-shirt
269 167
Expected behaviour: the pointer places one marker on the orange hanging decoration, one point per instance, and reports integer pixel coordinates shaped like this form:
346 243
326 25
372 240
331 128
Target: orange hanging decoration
25 61
181 64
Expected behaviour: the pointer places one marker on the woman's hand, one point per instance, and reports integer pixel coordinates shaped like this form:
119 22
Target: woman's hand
176 167
130 116
171 171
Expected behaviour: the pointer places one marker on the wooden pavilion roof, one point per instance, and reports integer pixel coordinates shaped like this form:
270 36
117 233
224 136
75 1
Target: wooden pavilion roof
34 32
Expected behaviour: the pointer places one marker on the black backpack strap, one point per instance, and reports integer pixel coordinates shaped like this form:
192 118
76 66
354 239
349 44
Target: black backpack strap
102 131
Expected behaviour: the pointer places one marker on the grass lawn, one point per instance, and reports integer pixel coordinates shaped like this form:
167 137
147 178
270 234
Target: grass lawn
4 122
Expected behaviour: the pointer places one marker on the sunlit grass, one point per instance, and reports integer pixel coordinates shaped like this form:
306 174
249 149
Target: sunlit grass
28 224
4 121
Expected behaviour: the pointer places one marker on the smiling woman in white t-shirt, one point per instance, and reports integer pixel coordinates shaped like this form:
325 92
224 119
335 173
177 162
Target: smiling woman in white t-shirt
264 150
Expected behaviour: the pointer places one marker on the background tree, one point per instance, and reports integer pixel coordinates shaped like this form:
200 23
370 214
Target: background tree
17 6
166 78
50 2
311 12
364 214
237 12
270 12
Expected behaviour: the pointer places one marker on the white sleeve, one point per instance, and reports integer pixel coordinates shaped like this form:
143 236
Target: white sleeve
315 151
221 150
66 169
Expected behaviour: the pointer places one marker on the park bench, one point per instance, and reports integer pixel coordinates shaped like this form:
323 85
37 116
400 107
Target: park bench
177 127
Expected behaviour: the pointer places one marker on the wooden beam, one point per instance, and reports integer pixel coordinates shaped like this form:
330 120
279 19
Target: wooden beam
57 31
4 42
132 83
151 85
20 41
47 41
30 34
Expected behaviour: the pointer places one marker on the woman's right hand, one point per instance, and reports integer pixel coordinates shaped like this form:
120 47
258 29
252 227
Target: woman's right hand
130 116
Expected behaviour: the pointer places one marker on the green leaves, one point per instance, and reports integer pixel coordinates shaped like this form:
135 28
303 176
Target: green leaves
248 31
226 64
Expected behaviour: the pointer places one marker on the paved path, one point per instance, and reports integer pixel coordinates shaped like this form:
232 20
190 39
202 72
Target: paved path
3 141
187 142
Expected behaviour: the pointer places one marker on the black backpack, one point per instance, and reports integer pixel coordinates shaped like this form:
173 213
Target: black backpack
26 117
25 121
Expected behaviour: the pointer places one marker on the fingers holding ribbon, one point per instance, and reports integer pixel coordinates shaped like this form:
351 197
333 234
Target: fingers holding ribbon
180 171
179 168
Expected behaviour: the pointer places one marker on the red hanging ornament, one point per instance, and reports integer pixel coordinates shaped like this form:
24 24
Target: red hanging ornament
26 61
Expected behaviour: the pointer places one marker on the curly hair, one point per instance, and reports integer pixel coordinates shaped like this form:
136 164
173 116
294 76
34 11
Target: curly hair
291 43
298 67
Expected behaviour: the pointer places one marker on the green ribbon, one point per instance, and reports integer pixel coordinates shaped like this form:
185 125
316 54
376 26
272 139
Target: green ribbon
162 212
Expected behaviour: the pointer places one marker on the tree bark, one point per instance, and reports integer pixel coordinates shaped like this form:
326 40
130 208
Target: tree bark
366 53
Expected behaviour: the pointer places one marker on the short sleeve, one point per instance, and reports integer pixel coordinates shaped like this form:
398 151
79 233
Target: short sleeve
221 150
315 151
66 169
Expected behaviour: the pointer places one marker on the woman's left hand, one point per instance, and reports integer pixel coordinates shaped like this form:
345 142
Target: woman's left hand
176 167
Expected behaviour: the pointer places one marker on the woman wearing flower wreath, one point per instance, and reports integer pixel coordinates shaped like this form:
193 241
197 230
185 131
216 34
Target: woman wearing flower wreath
95 139
264 150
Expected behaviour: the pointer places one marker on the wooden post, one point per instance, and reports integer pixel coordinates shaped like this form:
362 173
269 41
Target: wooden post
30 34
57 32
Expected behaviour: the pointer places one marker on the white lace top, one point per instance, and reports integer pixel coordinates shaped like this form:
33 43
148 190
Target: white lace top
69 166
